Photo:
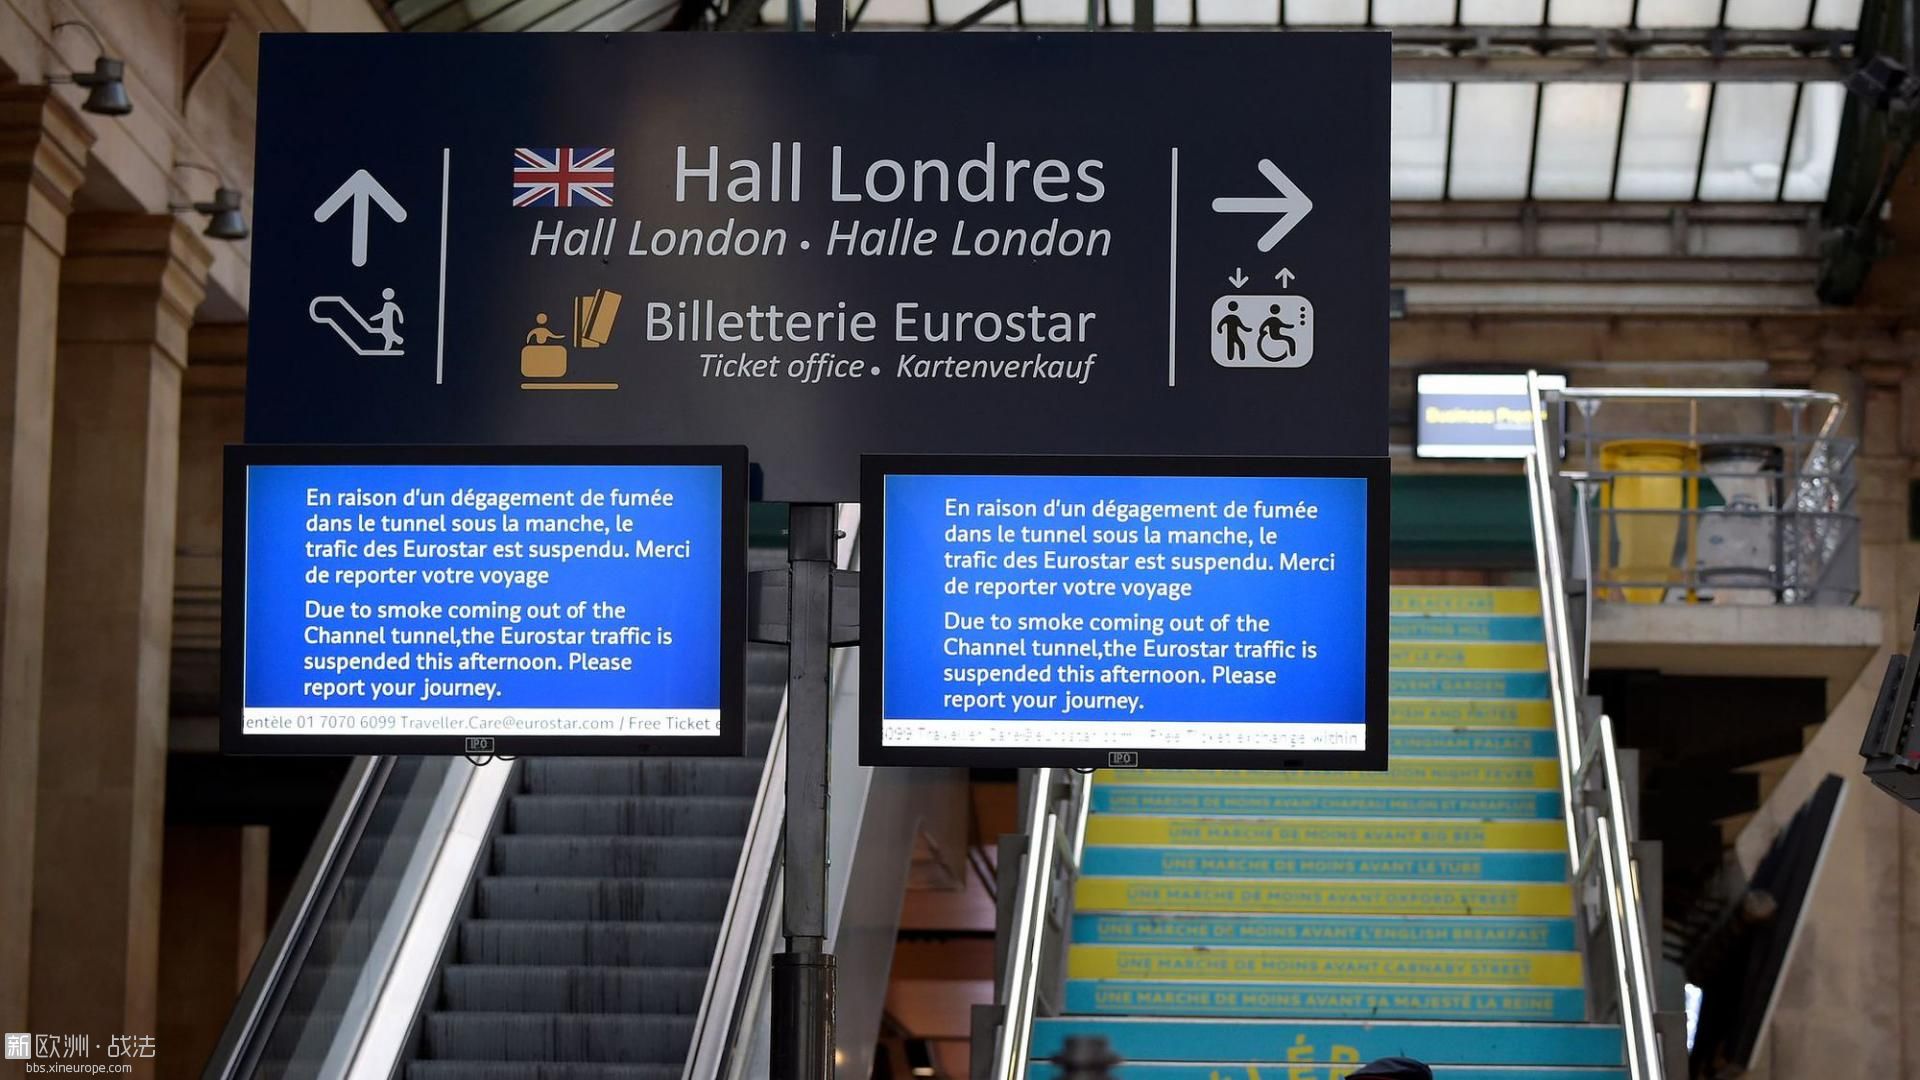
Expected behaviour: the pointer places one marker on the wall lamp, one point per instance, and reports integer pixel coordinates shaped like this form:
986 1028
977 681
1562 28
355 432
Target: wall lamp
106 83
224 219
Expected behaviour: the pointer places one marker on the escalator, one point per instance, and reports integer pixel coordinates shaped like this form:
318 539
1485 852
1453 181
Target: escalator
578 918
585 948
544 919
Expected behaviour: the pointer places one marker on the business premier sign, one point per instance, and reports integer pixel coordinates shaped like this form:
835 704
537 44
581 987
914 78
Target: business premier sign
820 246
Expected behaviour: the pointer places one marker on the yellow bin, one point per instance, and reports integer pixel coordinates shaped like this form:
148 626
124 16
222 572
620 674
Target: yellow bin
1639 543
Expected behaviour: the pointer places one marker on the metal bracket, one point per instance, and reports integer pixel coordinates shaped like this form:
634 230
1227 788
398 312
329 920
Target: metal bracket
769 599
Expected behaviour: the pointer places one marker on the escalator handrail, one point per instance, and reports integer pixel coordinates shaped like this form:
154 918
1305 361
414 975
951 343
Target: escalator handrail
723 1004
313 889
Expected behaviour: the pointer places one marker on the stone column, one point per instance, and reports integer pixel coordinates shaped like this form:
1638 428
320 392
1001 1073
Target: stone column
215 916
128 292
43 150
212 415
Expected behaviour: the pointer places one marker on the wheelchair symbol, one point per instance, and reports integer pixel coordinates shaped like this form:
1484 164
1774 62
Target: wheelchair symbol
1262 331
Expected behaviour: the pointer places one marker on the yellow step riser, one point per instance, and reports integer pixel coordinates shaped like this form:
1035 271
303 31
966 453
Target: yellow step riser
1256 833
1100 894
1415 967
1486 774
1423 600
1465 713
1450 656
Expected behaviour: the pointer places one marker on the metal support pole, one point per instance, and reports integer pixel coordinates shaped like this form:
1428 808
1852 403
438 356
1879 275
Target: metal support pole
803 975
830 16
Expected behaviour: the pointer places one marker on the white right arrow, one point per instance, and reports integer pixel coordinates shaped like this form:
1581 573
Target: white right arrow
361 188
1292 205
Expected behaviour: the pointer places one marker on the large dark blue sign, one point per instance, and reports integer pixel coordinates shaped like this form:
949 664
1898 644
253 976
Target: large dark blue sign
823 246
1170 611
384 600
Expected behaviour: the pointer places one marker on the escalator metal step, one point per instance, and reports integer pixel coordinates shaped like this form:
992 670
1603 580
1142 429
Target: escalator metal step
492 1036
578 990
593 923
537 1070
595 899
763 698
760 736
642 776
655 857
615 944
631 815
766 666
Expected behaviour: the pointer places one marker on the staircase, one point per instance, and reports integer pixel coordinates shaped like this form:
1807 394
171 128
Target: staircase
592 925
1286 926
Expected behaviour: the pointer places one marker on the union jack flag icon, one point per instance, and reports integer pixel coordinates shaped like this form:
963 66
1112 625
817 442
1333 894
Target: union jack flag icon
563 176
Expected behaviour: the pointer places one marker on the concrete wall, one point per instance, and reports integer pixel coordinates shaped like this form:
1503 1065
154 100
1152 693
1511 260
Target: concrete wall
1849 1004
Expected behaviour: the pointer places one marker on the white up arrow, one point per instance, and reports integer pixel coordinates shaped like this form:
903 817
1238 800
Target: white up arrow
361 188
1284 277
1292 205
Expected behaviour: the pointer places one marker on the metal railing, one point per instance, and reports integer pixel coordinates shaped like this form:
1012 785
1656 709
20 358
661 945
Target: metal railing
749 930
1606 872
1816 469
731 1027
1721 495
1033 970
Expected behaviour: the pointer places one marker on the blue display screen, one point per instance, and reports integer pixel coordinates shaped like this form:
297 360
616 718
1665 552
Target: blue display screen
1139 612
483 599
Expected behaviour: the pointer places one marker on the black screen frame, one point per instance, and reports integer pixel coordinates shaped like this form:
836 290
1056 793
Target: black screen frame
729 742
874 470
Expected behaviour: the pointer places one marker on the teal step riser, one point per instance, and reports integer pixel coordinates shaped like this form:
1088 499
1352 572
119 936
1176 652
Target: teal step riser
1499 685
1467 628
1328 803
1329 1001
1526 866
1211 1041
1436 742
1329 931
1320 1071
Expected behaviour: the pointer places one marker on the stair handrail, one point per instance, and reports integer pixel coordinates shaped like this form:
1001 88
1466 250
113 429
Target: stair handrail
1055 822
1599 831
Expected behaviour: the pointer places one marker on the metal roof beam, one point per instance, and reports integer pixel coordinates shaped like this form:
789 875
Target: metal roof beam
1542 54
1872 149
1610 39
1617 69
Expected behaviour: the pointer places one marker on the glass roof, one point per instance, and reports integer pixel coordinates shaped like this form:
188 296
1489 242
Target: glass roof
1667 142
1759 122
